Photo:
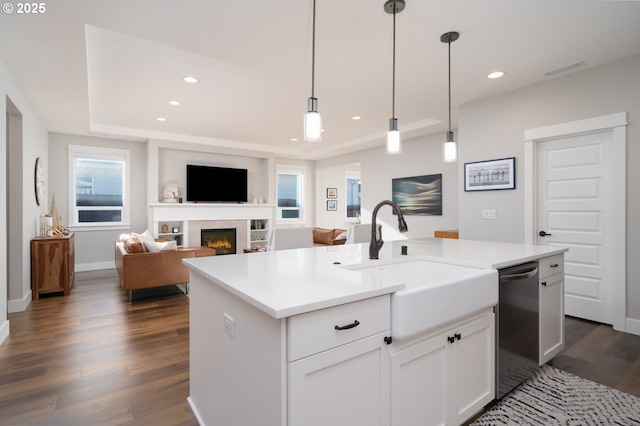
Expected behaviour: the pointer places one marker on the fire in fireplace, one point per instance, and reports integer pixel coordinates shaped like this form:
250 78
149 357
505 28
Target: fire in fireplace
223 240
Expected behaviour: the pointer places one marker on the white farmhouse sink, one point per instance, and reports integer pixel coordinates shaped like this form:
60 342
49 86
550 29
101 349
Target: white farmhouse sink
435 293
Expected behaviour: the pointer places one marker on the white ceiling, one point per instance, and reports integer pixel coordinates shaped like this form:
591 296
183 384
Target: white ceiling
109 67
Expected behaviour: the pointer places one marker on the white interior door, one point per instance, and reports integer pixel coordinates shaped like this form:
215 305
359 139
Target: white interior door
575 207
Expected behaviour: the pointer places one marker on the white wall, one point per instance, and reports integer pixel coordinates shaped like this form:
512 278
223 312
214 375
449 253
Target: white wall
420 156
172 166
494 128
34 145
95 249
333 177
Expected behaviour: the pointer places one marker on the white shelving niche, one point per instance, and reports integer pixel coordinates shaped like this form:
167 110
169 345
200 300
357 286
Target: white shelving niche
257 221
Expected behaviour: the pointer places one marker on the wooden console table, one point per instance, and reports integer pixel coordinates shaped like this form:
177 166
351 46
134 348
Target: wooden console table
453 233
52 265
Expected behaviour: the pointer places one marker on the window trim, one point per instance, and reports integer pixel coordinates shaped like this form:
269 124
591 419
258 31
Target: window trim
351 174
103 153
298 170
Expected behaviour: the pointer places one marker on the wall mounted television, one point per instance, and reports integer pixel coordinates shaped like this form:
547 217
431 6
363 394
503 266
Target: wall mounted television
207 184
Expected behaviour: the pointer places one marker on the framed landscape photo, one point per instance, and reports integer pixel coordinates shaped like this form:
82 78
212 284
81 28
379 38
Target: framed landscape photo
490 175
332 205
418 195
332 192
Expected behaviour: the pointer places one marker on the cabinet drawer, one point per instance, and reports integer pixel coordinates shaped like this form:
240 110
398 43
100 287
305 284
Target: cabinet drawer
551 265
316 331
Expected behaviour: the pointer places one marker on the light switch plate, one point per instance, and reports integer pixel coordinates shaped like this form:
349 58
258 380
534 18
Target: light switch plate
489 214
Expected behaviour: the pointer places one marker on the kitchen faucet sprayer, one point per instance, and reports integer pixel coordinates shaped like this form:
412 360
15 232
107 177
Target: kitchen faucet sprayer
376 243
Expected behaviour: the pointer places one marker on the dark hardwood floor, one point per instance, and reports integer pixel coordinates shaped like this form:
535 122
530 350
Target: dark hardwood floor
599 353
93 358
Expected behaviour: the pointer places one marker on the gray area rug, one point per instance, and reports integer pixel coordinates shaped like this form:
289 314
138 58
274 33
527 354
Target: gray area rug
555 397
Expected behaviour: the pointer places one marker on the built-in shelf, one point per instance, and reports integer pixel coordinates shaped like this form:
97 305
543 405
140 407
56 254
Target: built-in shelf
256 218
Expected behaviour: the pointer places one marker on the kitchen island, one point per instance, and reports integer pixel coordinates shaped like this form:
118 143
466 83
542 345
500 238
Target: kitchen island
305 336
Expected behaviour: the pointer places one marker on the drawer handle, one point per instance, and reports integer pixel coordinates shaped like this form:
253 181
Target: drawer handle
347 327
554 265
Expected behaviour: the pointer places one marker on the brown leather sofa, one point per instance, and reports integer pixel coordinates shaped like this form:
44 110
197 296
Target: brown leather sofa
154 269
331 237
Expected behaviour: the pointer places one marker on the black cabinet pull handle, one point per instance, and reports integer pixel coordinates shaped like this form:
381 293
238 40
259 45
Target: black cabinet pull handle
347 327
554 265
458 336
451 339
388 340
544 283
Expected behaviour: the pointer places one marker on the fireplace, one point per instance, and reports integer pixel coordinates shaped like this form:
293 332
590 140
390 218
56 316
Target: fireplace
223 240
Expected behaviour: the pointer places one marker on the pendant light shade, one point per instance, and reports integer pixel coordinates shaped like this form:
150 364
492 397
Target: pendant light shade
394 143
312 119
449 148
312 122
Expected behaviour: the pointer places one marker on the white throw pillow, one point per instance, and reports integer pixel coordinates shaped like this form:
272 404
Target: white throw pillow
147 239
167 245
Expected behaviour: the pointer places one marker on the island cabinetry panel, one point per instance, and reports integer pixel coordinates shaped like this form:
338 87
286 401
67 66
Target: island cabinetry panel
52 265
446 377
248 368
551 291
339 365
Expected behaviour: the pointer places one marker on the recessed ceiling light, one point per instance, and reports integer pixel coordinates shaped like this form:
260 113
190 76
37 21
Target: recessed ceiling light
190 79
174 103
496 74
161 119
356 117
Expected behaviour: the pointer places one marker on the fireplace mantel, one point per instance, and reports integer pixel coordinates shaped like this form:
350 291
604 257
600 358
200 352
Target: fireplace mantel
183 213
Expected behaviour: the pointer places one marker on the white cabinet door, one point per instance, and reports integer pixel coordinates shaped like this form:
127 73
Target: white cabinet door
419 383
447 378
551 317
347 385
473 370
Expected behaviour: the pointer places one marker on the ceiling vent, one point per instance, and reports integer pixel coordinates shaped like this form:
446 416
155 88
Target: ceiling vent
564 69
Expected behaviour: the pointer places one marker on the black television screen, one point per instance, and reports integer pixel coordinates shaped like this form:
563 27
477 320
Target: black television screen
216 184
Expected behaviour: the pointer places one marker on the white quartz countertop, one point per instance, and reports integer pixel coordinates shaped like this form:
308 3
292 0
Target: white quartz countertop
290 282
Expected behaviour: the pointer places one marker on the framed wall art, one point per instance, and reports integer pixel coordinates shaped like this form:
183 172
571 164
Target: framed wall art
332 193
490 175
332 205
418 195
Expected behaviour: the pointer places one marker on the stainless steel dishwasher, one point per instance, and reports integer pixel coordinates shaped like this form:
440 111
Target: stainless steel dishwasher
517 328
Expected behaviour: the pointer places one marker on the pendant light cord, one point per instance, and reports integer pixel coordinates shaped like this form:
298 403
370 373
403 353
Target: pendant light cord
393 77
449 85
313 51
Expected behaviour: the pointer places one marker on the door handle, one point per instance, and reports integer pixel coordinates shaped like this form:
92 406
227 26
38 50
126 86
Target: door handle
543 234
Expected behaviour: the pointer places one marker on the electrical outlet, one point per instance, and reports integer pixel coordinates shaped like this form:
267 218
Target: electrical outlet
229 325
489 214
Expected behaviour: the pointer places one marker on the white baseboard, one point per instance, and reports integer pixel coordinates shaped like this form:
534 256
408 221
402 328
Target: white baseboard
83 267
19 305
4 331
195 411
633 326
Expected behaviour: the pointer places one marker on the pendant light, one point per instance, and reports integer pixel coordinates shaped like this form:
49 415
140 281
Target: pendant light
394 144
312 119
449 149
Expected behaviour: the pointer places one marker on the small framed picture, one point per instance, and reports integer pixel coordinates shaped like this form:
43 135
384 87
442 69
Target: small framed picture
490 175
332 205
332 192
175 230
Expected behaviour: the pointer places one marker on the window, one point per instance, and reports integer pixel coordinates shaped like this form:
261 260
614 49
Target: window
98 186
353 195
290 183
